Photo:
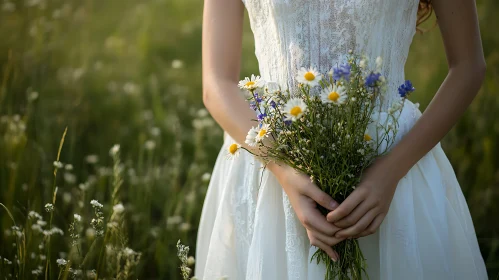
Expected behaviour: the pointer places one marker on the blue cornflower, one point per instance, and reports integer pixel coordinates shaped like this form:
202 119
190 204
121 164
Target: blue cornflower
405 88
253 106
288 122
257 98
341 71
273 104
261 116
372 79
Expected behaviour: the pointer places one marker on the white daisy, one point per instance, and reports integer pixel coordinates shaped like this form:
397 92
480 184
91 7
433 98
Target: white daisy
263 132
309 77
233 151
334 94
251 83
251 137
294 109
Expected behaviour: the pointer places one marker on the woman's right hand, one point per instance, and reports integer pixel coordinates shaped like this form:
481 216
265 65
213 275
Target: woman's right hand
304 197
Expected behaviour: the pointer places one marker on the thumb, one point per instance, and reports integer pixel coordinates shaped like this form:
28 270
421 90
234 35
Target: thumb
322 198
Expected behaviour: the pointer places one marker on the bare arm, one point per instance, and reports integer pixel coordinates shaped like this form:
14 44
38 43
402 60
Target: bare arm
364 210
222 31
458 24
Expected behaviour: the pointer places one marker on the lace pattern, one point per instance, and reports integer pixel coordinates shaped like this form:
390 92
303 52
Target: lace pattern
290 34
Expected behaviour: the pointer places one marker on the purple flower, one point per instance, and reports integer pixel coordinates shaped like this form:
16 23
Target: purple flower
257 98
341 71
273 104
261 116
288 122
405 88
253 106
372 79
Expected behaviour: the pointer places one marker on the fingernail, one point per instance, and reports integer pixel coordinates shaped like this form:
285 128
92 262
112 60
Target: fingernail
334 204
334 258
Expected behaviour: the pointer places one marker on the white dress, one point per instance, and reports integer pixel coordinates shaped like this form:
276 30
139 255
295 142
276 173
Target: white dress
248 229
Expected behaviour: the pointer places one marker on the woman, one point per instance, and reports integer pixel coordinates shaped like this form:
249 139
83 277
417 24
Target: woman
408 212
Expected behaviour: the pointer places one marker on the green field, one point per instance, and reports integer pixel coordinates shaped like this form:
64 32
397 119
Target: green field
128 72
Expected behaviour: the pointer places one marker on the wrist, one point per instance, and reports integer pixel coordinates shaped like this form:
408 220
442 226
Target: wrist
396 165
276 168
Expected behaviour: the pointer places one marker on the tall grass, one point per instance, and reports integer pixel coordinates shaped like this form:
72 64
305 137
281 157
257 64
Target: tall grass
129 72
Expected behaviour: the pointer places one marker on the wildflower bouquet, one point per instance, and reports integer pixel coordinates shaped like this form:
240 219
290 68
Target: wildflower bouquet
332 127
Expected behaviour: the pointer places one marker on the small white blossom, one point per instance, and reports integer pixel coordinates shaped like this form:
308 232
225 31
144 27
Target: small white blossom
49 207
92 159
118 208
61 262
184 227
128 252
34 215
206 177
95 203
77 217
150 145
191 261
114 150
177 64
363 64
58 164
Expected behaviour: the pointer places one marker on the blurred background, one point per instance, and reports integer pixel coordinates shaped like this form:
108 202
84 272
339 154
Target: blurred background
128 73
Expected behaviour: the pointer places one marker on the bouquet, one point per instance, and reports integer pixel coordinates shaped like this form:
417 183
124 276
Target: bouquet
331 127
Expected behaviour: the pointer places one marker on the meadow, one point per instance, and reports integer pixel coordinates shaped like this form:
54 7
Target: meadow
106 148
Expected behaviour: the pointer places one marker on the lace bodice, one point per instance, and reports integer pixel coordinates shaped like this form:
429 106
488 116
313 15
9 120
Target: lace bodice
290 34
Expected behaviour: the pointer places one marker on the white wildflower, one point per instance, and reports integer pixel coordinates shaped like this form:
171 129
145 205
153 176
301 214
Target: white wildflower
206 177
118 208
251 137
114 150
58 164
92 159
96 203
309 76
184 227
77 217
150 145
61 262
177 64
251 83
191 261
49 207
294 109
34 215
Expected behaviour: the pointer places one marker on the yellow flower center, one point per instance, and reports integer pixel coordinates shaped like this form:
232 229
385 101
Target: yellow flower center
262 132
233 148
250 83
295 111
367 137
309 76
333 96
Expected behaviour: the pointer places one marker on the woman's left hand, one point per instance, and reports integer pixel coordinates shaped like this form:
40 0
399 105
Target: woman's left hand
365 208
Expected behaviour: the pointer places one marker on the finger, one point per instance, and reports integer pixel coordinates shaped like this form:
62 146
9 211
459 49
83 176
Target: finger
330 240
373 227
326 248
359 227
322 198
357 214
346 207
313 219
